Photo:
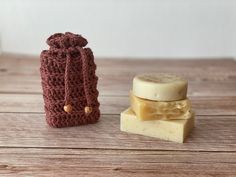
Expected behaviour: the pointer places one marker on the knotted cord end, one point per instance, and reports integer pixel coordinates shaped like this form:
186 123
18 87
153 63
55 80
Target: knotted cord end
88 110
68 108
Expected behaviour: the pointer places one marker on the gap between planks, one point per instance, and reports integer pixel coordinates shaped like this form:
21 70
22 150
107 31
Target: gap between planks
113 149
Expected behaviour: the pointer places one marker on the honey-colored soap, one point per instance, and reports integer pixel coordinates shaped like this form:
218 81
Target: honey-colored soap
151 110
172 130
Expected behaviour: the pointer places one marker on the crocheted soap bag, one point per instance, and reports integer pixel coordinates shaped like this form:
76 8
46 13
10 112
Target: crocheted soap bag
69 82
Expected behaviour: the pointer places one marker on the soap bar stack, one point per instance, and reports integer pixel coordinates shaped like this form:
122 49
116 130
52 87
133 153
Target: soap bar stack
159 108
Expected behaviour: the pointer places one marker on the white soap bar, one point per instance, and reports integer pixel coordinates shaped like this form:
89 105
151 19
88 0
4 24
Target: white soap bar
172 130
160 87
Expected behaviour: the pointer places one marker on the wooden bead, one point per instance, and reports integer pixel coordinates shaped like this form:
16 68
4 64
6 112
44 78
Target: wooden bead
68 108
88 109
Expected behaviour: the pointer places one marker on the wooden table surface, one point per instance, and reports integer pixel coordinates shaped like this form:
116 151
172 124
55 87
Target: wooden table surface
28 147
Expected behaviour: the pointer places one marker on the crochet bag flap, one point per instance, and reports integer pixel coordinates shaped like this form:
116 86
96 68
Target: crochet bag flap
69 82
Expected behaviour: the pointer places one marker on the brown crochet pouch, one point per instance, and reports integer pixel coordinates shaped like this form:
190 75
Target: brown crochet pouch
69 82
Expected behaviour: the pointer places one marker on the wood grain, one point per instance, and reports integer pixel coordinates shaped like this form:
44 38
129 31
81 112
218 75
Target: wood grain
33 103
116 86
115 76
83 162
28 147
212 133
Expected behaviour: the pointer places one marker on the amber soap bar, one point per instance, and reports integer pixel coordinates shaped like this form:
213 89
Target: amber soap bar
172 130
151 110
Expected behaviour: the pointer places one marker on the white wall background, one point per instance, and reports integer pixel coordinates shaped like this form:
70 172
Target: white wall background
124 28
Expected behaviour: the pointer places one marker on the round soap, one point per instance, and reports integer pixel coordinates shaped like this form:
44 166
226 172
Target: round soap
160 87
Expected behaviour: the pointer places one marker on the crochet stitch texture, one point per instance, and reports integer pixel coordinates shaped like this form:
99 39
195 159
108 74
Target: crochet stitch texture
68 78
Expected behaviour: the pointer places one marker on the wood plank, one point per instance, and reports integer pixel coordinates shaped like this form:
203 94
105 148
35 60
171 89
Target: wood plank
33 103
212 133
116 86
217 67
77 162
115 76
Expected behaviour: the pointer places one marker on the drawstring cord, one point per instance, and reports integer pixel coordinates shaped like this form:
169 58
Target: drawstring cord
68 107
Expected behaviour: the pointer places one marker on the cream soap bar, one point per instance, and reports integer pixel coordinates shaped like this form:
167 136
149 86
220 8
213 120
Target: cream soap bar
172 130
160 87
152 110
